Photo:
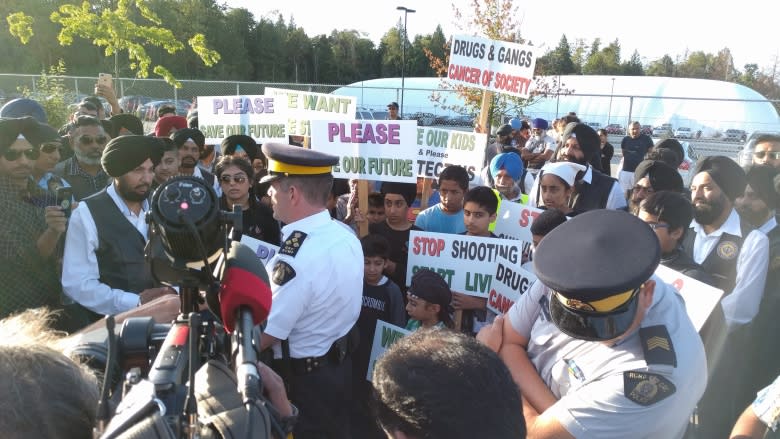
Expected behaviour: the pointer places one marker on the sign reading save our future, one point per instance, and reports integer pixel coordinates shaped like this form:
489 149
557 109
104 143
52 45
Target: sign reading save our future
467 263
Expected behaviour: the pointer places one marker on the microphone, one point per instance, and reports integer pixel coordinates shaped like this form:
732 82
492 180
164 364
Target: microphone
244 301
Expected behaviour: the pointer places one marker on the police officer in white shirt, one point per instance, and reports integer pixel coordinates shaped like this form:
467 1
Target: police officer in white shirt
317 284
599 346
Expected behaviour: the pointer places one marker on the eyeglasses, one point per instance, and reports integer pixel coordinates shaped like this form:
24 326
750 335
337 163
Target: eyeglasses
773 155
655 226
236 178
49 148
13 155
647 189
87 139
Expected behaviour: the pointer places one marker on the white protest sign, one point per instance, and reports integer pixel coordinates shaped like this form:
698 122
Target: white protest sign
700 298
369 149
385 335
467 263
262 249
498 66
439 148
253 115
510 282
301 107
514 221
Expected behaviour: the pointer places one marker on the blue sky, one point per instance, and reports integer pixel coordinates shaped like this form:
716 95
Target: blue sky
654 28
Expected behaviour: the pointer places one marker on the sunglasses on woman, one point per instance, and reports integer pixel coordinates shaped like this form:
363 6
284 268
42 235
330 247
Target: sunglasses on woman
13 155
236 178
49 148
773 155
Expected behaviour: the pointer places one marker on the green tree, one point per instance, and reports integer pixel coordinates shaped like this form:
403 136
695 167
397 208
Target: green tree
605 61
633 67
663 66
696 65
116 31
52 94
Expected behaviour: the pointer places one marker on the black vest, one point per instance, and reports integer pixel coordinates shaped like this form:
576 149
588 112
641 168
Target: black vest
120 252
721 263
594 195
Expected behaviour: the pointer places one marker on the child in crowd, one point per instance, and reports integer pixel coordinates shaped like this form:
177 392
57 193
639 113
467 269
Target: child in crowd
479 210
382 300
556 185
376 208
429 300
447 215
396 227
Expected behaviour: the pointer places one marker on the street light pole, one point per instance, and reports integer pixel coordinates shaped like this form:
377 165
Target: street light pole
403 55
611 92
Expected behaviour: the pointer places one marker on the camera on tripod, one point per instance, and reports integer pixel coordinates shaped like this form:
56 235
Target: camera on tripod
203 365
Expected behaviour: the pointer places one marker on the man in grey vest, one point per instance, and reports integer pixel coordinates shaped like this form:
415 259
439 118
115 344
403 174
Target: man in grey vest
104 268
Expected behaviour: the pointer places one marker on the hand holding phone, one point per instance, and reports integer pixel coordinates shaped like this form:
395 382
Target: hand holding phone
65 199
105 79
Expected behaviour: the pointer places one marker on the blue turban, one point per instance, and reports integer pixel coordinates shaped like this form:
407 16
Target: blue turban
509 161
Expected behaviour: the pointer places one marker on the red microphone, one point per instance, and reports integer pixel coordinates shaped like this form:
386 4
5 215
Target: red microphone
244 284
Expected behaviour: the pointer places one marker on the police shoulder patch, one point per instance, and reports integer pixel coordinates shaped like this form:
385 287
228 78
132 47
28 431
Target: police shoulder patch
645 388
292 244
282 273
657 345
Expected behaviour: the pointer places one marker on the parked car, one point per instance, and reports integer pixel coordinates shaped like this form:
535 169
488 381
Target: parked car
463 120
733 135
646 129
616 129
683 133
688 164
380 115
130 104
745 155
424 119
362 113
595 125
663 131
442 120
148 111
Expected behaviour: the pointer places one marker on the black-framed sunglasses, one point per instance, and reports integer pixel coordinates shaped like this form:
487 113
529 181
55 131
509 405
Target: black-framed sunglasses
773 155
87 139
13 155
50 147
237 178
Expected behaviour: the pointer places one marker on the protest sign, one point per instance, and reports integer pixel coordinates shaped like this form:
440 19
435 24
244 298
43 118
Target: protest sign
497 66
262 249
299 108
467 263
514 221
510 282
253 115
700 298
385 335
369 149
439 148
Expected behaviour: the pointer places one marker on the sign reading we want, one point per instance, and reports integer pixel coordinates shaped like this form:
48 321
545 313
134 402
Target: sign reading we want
301 107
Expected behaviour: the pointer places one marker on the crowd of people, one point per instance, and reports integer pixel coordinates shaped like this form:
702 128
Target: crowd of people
599 346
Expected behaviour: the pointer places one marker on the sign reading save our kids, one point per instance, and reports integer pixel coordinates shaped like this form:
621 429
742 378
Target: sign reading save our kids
498 66
383 150
467 263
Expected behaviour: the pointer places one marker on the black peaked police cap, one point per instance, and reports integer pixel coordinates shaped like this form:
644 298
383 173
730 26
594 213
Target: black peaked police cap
612 254
295 161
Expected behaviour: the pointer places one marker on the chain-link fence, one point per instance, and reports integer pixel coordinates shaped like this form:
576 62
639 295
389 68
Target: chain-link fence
615 111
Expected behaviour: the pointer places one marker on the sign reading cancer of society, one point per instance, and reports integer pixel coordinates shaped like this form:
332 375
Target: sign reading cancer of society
514 221
256 116
497 66
383 150
438 148
467 263
510 282
262 249
700 298
385 335
301 107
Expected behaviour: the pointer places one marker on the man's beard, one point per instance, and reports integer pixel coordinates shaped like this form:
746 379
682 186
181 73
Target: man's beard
705 212
572 159
188 162
132 194
86 159
755 218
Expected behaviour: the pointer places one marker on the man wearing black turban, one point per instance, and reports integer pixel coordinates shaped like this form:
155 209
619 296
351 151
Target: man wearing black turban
728 248
190 143
104 269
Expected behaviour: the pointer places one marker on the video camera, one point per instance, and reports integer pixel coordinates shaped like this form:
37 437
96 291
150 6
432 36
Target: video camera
198 376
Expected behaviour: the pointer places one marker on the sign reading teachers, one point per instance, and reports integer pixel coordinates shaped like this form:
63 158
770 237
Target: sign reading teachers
369 150
510 282
385 335
498 66
467 263
255 116
301 107
440 148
